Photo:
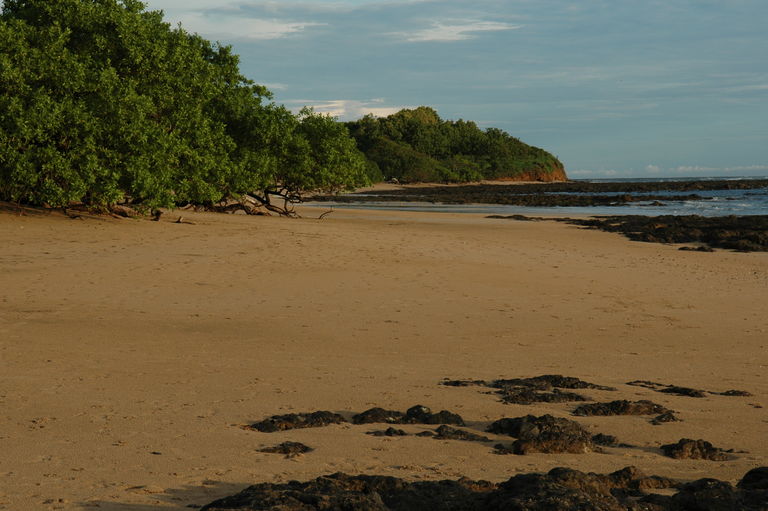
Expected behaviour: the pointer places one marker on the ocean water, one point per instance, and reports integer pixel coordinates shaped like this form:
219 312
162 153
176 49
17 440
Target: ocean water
717 203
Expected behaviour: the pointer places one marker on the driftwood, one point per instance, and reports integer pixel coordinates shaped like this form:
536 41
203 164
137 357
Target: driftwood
280 200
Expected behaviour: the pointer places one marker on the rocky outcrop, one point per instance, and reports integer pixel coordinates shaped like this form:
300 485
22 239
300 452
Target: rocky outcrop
685 391
448 433
742 233
537 389
289 449
387 432
559 489
297 421
687 449
545 434
620 407
414 415
553 174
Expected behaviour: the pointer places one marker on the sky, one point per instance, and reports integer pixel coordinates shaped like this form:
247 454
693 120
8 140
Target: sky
614 88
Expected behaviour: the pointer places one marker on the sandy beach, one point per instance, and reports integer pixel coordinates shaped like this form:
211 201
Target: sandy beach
132 352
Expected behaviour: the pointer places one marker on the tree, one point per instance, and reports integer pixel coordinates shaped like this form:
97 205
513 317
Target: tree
400 161
319 156
102 102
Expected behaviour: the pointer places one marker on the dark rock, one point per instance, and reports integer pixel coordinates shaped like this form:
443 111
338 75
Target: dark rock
742 233
521 218
388 432
448 433
668 389
426 433
664 418
415 415
687 449
684 391
755 479
634 479
378 415
700 248
526 396
559 489
605 440
422 415
577 194
545 434
297 421
547 381
503 449
621 407
709 494
647 384
542 389
290 449
538 389
341 492
738 393
463 383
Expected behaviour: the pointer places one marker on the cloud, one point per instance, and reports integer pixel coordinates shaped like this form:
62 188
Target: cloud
748 168
347 109
652 169
273 86
449 31
232 26
695 169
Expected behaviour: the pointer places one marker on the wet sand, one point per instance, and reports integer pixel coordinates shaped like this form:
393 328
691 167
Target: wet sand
132 352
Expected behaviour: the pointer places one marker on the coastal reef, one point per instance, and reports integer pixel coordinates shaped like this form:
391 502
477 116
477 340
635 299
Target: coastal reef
570 193
742 233
746 233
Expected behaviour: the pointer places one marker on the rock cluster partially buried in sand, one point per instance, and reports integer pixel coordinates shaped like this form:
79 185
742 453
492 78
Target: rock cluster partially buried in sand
559 489
548 434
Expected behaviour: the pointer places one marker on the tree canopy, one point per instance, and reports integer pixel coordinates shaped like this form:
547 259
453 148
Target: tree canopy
102 102
417 145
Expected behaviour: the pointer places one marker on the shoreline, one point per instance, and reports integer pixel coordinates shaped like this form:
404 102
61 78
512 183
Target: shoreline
125 338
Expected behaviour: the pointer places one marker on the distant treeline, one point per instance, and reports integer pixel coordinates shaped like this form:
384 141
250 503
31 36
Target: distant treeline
418 146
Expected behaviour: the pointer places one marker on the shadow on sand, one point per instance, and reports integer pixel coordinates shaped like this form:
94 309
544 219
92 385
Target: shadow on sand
176 499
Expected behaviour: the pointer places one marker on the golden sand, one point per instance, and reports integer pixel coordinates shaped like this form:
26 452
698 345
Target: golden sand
132 352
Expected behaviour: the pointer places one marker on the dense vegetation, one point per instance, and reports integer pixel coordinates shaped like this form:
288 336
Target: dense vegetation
101 102
417 145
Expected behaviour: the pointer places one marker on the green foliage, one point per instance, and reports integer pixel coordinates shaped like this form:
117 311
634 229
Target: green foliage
331 161
397 159
103 102
416 145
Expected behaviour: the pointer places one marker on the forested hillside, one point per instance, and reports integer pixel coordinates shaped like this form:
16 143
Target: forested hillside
418 146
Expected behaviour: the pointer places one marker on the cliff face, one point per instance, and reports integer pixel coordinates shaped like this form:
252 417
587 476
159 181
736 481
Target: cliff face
553 175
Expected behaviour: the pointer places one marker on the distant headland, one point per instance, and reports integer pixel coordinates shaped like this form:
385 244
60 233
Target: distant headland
418 146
